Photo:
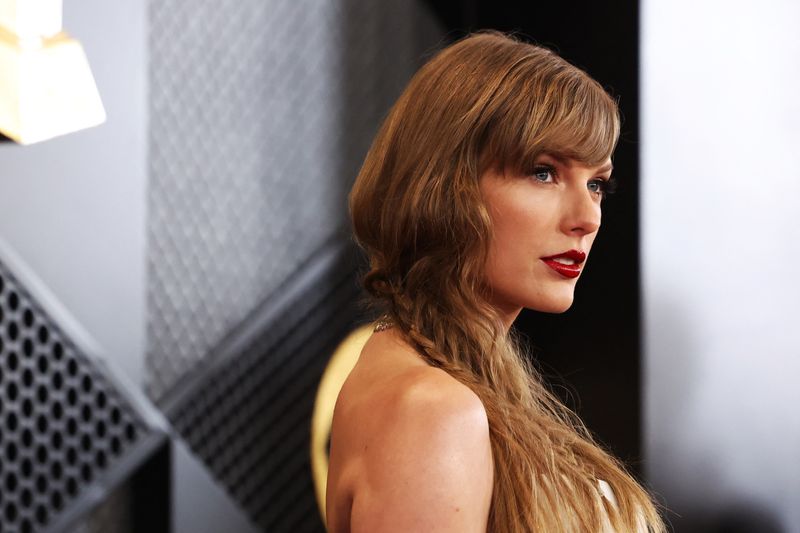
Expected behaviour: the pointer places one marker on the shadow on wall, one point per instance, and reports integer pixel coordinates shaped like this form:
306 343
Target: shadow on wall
689 478
408 33
743 517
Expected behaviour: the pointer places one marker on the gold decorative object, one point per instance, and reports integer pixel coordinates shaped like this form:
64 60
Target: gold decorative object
339 367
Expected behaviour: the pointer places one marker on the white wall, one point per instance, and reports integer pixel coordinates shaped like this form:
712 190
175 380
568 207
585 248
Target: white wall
721 254
73 207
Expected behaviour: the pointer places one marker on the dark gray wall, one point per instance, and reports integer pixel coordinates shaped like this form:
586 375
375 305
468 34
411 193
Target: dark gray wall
261 113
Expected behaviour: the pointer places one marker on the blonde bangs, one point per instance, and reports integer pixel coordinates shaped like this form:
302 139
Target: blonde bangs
564 113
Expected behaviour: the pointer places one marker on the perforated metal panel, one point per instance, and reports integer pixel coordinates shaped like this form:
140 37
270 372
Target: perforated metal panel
65 427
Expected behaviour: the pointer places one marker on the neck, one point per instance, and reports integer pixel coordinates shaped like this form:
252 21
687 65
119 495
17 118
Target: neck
509 316
507 313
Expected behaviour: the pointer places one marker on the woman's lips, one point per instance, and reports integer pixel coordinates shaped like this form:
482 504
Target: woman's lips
572 270
568 271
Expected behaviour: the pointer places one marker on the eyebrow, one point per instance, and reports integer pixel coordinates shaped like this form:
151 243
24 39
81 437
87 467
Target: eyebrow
563 161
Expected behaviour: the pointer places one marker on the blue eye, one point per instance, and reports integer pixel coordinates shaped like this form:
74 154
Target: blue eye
543 174
602 186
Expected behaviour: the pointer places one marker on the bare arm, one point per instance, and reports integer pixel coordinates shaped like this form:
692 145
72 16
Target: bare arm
429 468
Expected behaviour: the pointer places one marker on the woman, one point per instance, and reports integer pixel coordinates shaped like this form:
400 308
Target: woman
480 196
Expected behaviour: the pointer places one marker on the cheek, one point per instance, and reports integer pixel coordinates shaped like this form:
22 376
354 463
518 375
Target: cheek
522 220
520 228
518 240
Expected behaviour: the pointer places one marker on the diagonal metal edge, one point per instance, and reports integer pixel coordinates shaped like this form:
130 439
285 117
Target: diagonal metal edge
157 429
97 491
333 258
80 337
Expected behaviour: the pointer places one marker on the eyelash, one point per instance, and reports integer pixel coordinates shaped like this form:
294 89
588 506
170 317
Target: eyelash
607 186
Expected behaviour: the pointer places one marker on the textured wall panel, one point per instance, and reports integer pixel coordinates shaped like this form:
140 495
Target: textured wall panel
67 431
261 112
248 417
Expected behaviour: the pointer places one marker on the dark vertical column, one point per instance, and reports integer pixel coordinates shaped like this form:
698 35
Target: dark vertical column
151 499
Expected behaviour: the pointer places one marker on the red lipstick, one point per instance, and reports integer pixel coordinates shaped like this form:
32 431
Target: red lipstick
567 270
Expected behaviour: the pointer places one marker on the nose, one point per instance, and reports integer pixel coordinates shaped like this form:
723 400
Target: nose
581 214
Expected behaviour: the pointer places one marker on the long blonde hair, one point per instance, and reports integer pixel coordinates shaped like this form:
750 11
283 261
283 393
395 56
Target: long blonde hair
416 209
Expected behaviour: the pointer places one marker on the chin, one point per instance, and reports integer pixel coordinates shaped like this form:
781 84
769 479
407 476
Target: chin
552 305
555 310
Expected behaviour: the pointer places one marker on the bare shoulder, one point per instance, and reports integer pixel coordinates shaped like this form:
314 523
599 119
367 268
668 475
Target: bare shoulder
426 458
433 402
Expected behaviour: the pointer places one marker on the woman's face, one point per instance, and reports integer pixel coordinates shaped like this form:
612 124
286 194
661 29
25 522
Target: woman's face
544 225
